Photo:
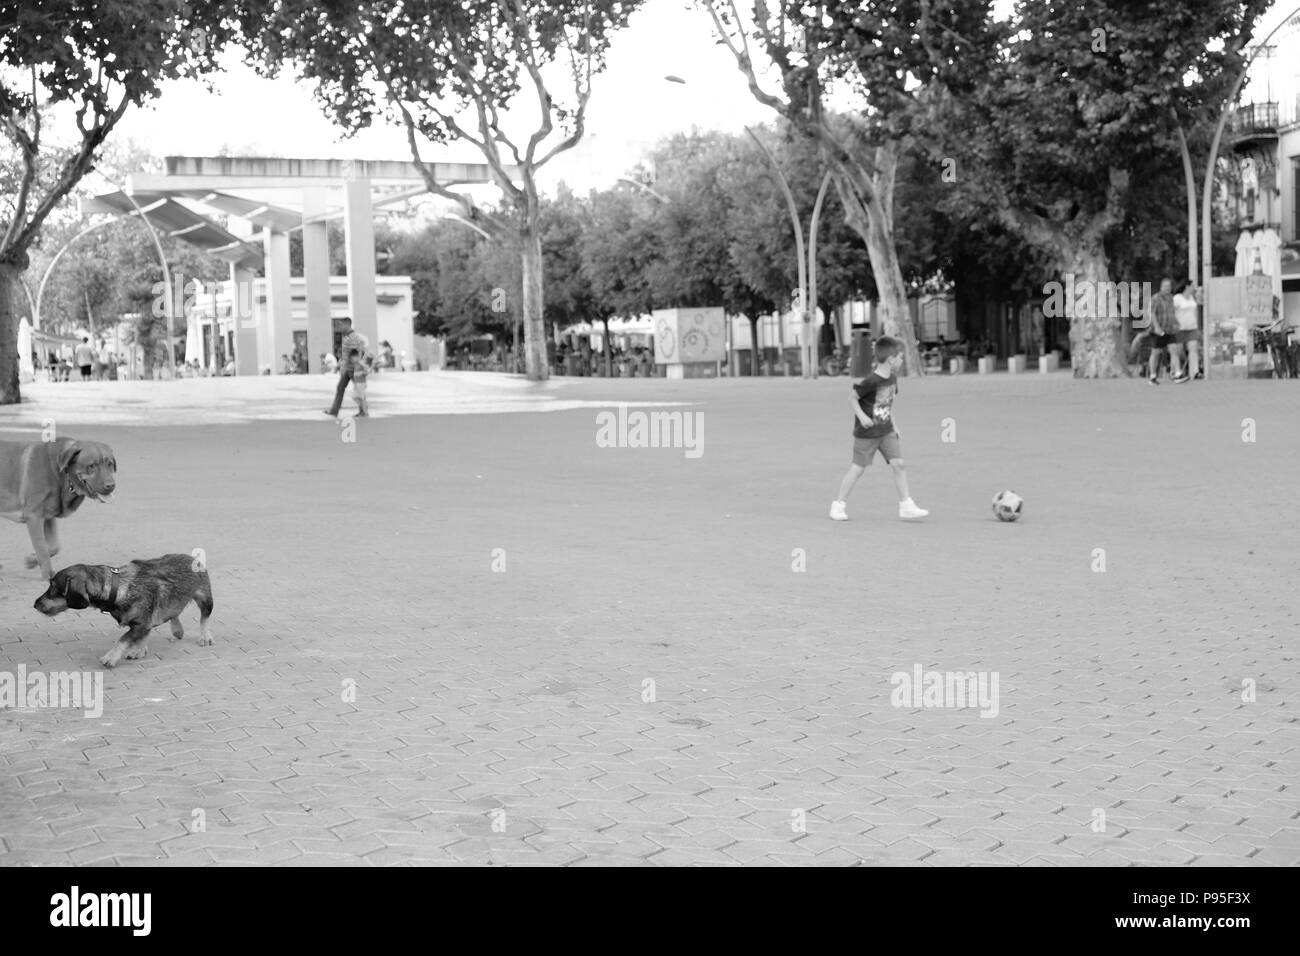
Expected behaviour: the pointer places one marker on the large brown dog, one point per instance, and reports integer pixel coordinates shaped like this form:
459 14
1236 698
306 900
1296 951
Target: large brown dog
140 595
41 482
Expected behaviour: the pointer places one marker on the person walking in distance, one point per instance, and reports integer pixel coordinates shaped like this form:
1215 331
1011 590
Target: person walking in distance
1189 327
85 358
1163 320
352 339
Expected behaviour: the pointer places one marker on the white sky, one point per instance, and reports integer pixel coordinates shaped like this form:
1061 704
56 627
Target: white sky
632 106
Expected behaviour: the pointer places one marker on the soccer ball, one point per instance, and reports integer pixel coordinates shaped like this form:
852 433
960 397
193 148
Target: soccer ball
1007 505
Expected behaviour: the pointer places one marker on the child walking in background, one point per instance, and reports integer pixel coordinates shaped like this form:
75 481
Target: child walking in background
360 372
873 430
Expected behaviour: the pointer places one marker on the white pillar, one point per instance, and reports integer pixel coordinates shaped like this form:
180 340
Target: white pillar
243 316
360 228
316 272
246 317
279 300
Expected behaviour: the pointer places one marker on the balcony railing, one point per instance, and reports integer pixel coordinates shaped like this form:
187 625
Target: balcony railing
1255 119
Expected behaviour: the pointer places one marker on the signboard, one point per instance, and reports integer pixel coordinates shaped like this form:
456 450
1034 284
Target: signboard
1241 297
689 335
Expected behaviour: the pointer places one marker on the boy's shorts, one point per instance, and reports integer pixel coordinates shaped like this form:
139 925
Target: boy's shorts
864 449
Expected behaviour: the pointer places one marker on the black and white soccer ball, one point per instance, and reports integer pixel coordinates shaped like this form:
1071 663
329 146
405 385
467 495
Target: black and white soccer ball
1008 505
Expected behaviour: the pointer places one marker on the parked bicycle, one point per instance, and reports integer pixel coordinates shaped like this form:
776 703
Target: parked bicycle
1275 341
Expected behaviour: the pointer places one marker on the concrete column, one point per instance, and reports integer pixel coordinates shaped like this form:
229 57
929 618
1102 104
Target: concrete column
316 271
243 317
279 300
360 227
247 315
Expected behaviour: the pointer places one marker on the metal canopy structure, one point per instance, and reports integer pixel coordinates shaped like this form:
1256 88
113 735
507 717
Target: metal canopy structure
179 221
258 231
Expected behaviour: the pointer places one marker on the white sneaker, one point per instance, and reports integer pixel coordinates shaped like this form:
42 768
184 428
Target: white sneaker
838 511
908 511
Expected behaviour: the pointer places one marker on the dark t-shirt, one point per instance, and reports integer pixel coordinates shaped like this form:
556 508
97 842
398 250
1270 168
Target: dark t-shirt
875 398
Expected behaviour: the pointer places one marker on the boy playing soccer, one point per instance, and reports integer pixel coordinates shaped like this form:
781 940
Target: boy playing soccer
873 430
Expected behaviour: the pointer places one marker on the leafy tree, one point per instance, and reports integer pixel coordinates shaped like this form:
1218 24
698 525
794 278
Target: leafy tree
1071 135
570 298
426 63
86 63
899 60
416 254
148 330
619 252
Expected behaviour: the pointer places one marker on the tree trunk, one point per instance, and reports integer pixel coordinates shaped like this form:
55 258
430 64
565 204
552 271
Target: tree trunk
895 317
753 346
609 371
868 211
530 242
1096 349
10 277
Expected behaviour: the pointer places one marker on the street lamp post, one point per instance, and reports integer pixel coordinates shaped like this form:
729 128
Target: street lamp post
644 188
466 222
40 290
798 235
167 276
814 347
807 262
1207 265
167 283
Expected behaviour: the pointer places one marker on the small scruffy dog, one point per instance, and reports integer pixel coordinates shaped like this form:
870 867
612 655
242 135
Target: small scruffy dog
140 595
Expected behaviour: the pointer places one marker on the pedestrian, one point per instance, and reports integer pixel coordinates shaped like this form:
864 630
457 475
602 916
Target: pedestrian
386 355
84 358
351 340
286 366
873 430
359 363
1189 335
1163 322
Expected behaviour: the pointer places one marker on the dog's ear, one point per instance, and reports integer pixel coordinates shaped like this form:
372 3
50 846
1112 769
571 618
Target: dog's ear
72 588
69 449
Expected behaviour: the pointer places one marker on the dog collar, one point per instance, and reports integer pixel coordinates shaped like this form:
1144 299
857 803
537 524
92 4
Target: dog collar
112 593
78 487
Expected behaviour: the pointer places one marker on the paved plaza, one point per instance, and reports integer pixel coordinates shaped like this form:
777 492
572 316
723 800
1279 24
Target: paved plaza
487 639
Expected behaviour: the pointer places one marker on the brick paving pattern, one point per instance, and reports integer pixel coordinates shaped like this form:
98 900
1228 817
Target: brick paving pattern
378 694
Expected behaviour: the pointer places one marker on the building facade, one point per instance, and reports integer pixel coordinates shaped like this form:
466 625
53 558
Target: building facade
214 328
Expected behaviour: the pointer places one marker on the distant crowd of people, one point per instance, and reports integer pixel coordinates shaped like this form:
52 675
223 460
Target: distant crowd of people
635 362
84 362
